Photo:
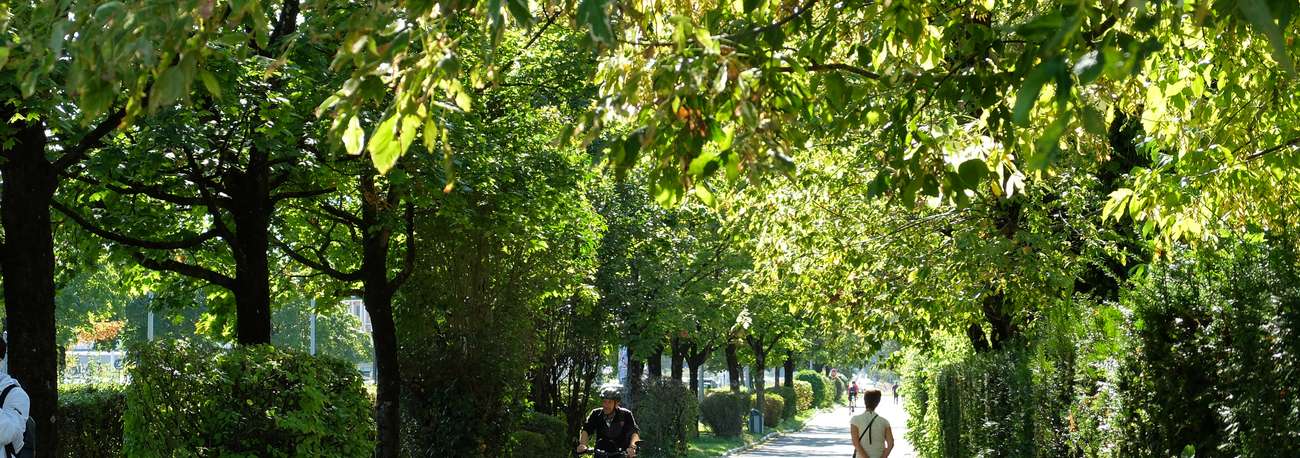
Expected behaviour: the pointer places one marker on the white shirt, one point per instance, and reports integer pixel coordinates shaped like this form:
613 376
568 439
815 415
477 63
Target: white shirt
874 441
13 414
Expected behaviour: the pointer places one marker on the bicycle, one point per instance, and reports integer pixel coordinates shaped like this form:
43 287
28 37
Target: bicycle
604 454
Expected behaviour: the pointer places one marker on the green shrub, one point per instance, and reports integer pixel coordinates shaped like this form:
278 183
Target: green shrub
804 394
1215 356
773 409
540 435
189 398
667 414
790 401
725 413
823 390
841 389
90 420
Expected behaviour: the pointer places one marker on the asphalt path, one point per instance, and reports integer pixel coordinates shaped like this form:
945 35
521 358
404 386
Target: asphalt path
827 434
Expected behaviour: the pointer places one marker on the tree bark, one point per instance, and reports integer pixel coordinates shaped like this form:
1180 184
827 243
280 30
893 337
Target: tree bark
679 349
634 369
378 298
696 358
760 366
29 181
656 363
733 367
251 211
789 370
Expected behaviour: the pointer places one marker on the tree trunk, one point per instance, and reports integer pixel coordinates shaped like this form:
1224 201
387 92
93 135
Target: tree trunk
776 377
378 293
251 211
789 370
696 361
656 363
760 366
634 368
678 358
388 387
733 367
27 261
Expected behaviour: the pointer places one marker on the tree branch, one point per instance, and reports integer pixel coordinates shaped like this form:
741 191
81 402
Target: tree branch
339 214
212 204
836 67
91 140
321 265
187 270
301 194
85 223
800 12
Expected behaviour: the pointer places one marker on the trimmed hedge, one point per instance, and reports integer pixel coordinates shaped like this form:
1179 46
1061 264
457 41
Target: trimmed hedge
790 401
773 409
190 398
542 436
823 390
90 420
667 414
804 393
725 413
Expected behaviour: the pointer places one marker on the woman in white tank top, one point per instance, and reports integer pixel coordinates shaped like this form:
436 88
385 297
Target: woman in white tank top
872 435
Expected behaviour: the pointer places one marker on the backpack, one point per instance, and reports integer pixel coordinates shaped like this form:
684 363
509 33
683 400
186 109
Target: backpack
29 435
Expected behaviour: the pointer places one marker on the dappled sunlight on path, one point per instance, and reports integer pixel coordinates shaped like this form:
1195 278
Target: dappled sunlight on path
827 434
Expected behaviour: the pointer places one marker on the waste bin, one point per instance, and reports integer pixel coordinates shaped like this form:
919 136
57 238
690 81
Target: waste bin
755 421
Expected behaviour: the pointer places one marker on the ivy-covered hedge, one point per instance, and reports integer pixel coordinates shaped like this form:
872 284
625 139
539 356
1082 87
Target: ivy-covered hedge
823 391
725 413
667 414
190 398
804 395
542 436
90 419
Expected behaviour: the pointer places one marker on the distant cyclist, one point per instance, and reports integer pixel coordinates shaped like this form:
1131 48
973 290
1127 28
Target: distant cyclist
853 395
614 428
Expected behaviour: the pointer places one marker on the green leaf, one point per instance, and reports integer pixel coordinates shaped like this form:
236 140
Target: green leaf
169 88
837 89
1048 147
383 145
1028 93
57 34
1260 16
210 83
354 137
972 172
591 13
1093 121
4 56
705 195
1089 67
519 9
751 5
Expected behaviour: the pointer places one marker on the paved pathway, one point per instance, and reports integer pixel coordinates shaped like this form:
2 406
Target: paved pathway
827 434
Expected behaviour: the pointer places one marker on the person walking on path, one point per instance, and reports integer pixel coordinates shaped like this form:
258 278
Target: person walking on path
895 392
15 415
872 436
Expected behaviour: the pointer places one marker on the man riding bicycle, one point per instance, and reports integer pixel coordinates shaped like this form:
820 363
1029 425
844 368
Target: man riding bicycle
613 426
